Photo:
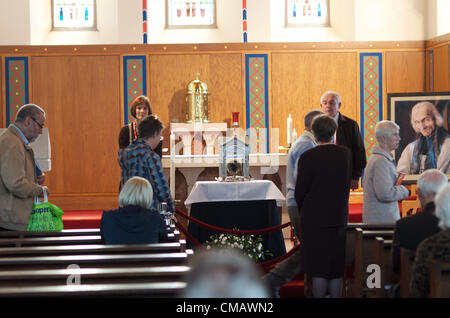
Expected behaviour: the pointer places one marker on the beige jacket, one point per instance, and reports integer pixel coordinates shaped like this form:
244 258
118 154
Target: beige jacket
18 185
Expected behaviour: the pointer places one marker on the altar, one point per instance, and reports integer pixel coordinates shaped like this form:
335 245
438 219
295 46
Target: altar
247 205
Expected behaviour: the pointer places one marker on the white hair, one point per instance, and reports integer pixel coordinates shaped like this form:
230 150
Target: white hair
431 110
336 95
385 128
442 203
136 191
430 182
31 105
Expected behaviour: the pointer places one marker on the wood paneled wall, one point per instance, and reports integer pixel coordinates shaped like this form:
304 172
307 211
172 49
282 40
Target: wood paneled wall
442 69
299 80
81 97
170 75
405 72
82 90
440 76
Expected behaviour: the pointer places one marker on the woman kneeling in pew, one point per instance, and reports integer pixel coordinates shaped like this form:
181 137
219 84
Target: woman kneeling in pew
133 222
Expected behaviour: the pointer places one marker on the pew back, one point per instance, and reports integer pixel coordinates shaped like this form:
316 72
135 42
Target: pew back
406 263
148 289
383 257
439 279
93 260
93 275
364 256
92 249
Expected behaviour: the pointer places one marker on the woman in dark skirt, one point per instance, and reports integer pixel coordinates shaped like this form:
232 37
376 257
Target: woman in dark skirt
322 193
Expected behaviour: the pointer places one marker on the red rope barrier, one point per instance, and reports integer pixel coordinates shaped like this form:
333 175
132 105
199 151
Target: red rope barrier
227 231
279 258
188 235
265 264
248 232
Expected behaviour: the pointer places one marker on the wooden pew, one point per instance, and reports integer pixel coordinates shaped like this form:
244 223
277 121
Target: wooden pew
23 234
350 251
406 263
351 237
92 249
383 257
94 260
50 240
62 240
439 279
71 232
151 289
365 255
51 277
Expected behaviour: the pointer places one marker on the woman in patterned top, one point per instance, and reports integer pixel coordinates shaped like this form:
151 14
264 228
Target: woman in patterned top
436 247
140 108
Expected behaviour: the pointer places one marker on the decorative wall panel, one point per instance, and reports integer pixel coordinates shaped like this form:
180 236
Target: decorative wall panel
257 102
134 81
371 95
16 85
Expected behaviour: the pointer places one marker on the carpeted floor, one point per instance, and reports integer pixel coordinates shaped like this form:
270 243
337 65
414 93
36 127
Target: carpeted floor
91 219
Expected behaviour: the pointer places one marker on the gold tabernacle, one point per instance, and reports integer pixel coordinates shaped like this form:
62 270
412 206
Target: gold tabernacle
197 101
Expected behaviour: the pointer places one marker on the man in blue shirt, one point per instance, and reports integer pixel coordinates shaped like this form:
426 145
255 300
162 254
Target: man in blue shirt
286 270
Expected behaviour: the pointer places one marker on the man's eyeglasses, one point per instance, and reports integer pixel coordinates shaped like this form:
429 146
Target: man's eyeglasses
40 126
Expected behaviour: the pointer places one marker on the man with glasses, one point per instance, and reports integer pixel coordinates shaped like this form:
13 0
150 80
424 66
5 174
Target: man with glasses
431 149
19 181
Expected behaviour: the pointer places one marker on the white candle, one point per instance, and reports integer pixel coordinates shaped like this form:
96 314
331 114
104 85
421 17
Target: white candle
289 130
294 135
172 164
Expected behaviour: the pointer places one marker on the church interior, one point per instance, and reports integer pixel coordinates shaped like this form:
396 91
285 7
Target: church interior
261 75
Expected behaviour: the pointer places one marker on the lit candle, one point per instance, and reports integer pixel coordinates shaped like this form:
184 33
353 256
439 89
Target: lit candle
294 135
289 130
172 164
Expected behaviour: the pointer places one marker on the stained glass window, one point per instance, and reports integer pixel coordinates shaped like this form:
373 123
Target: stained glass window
307 12
74 14
190 13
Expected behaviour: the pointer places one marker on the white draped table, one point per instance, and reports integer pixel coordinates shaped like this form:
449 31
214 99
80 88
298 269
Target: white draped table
247 205
214 191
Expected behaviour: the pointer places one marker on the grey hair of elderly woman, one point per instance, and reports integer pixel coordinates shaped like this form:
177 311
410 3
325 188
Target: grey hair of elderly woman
442 203
136 191
385 128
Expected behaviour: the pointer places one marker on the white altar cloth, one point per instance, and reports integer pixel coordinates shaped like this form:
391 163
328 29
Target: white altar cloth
208 191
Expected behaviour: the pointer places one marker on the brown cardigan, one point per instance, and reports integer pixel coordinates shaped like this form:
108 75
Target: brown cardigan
18 185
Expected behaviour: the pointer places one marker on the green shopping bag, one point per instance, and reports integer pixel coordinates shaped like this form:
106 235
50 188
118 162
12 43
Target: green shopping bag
45 216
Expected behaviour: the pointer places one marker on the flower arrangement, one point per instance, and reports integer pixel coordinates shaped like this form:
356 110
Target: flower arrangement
250 245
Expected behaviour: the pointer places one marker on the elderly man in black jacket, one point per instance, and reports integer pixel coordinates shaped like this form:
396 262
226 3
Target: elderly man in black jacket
347 134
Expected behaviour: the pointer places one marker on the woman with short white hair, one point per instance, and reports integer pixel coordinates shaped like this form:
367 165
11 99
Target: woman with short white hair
134 222
434 248
381 194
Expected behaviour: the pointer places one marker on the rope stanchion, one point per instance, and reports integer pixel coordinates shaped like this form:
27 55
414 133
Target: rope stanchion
228 231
